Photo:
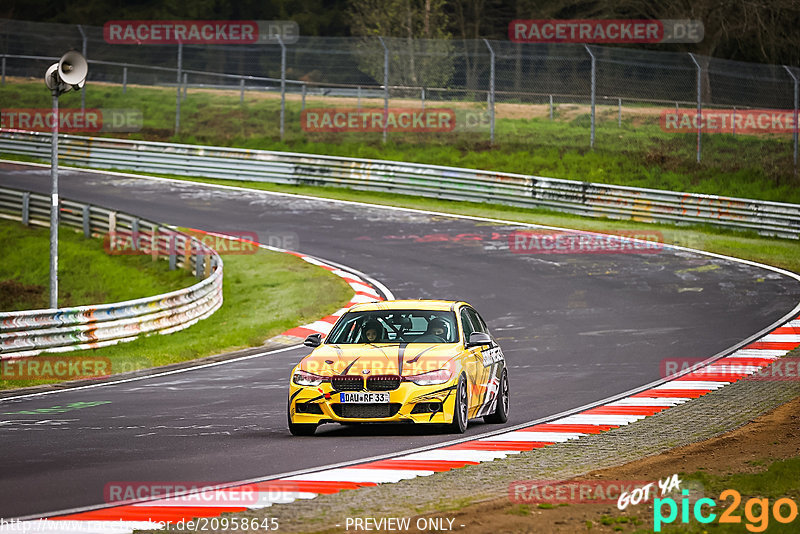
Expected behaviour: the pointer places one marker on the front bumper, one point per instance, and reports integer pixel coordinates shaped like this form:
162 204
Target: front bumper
409 403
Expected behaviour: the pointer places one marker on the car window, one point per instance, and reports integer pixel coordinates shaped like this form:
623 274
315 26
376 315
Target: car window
477 321
466 324
395 326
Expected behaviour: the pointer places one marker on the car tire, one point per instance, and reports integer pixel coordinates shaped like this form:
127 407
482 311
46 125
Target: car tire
460 409
500 414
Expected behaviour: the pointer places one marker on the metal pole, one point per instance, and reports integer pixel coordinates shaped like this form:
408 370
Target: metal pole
178 85
124 80
794 78
385 86
54 206
241 91
283 83
733 121
303 105
699 107
358 93
83 89
423 99
619 113
551 108
491 91
4 70
594 80
185 84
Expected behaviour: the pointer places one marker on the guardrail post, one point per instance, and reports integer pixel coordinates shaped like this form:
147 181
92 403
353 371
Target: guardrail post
154 242
26 208
385 86
178 85
794 78
594 86
283 83
699 106
83 89
491 91
198 264
241 90
172 248
135 234
124 80
303 104
86 220
112 221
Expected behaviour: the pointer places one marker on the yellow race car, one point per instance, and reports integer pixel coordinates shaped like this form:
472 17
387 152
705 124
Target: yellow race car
403 361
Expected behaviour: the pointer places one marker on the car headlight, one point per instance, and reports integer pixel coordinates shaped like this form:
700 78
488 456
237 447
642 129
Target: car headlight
304 378
431 377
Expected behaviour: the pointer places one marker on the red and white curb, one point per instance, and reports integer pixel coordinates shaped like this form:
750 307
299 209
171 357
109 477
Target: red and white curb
739 364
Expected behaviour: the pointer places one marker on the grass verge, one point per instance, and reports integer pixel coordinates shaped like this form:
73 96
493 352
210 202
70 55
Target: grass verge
636 153
264 294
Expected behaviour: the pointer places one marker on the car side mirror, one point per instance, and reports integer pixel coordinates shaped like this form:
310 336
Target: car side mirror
313 340
477 339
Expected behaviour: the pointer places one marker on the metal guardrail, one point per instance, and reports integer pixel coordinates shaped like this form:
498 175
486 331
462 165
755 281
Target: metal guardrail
31 332
451 183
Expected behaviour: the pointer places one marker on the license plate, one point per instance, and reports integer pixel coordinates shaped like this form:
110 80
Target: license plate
363 397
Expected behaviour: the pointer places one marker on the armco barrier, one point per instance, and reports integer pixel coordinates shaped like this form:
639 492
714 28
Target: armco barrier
31 332
452 183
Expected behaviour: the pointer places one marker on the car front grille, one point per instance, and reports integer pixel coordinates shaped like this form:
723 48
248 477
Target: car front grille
383 382
347 382
366 411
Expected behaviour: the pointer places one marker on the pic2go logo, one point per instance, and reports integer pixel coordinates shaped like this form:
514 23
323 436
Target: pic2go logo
756 511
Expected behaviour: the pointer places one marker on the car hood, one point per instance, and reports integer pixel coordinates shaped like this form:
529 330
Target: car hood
404 359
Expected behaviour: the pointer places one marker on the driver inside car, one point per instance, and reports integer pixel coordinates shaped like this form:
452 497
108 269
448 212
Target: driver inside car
372 331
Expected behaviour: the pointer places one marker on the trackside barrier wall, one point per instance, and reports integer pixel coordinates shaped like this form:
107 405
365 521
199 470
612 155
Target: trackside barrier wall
31 332
451 183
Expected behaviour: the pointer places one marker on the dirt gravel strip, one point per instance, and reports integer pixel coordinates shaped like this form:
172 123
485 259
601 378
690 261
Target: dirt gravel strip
703 418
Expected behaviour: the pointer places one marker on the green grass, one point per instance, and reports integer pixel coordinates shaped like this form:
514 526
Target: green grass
264 294
637 154
87 275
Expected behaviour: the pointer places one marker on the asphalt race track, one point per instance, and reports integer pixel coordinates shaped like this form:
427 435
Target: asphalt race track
574 328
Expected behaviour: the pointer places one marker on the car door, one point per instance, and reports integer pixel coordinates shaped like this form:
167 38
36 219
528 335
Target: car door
473 364
492 363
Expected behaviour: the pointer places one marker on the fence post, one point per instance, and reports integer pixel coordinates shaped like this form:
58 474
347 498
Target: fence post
185 84
385 86
26 208
794 78
4 70
594 80
178 85
619 113
699 106
422 92
83 89
358 101
551 108
303 104
491 91
124 80
283 83
135 234
241 90
86 212
733 121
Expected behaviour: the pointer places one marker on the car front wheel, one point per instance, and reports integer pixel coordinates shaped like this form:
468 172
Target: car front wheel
459 424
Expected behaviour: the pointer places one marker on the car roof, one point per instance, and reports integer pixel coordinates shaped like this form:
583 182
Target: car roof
409 304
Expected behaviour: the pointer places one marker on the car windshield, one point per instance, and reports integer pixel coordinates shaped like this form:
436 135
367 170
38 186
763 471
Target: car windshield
395 326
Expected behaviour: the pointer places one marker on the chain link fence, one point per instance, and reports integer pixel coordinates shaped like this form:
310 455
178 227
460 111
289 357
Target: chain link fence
598 94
